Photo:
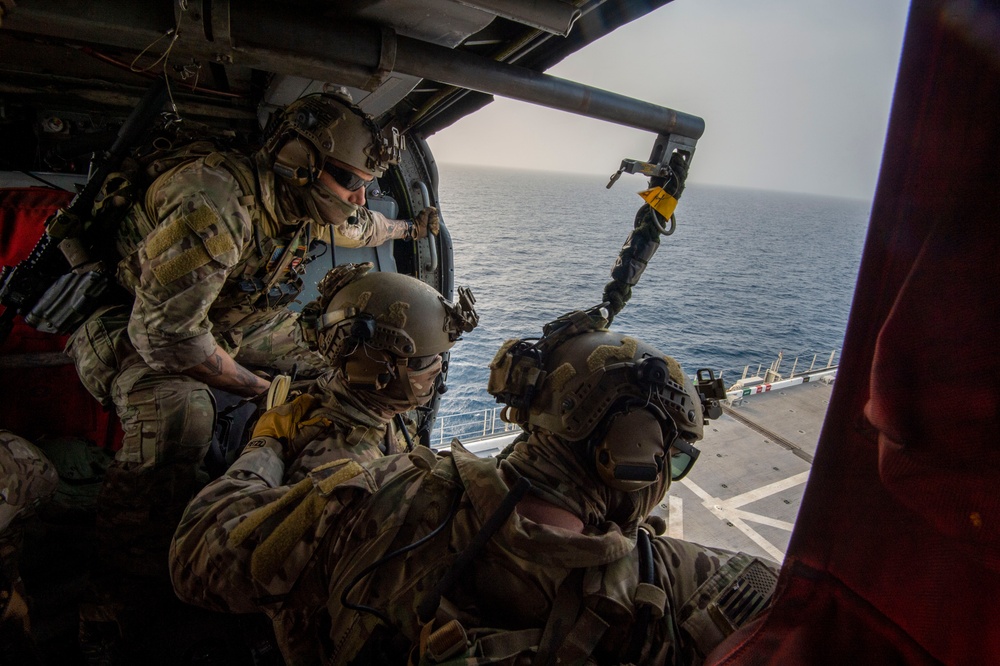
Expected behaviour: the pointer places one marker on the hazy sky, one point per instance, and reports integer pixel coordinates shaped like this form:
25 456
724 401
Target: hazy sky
795 95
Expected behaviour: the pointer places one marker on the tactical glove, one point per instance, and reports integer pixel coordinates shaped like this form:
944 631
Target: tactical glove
426 221
279 428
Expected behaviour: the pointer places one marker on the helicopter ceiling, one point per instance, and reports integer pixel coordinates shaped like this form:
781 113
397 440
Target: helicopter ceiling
419 65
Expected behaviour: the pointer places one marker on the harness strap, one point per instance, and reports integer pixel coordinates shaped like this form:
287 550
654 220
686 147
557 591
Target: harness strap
649 599
429 604
582 639
565 608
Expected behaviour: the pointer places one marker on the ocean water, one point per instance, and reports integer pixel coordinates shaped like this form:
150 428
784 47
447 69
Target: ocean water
747 273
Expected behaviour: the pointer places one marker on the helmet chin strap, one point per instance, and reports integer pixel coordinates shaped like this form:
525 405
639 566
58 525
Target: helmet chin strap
327 207
403 372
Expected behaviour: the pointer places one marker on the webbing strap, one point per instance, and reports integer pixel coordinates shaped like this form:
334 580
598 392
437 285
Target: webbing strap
649 598
565 609
506 644
582 639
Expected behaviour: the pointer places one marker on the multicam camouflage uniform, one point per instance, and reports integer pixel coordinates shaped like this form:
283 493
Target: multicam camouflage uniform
26 478
211 258
331 422
301 552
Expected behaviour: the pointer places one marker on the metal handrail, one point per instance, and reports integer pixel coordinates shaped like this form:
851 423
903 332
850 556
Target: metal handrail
469 426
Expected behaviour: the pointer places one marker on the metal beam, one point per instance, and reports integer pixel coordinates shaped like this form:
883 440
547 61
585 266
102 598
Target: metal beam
271 37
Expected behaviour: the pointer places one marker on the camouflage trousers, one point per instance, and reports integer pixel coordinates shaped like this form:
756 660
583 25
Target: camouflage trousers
168 420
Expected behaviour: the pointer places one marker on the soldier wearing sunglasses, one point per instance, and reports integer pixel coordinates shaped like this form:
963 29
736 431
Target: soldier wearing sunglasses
328 151
546 555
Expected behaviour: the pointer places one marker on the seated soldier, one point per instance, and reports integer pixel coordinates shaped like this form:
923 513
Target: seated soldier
542 556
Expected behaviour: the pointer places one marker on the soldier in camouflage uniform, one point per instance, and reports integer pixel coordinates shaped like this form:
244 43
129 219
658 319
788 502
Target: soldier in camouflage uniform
426 556
26 479
212 256
383 336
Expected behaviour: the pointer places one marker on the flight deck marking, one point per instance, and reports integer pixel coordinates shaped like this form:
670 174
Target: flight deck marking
752 496
729 510
773 436
763 520
675 517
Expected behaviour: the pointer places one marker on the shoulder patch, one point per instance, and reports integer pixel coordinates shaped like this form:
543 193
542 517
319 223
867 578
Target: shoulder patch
204 250
198 220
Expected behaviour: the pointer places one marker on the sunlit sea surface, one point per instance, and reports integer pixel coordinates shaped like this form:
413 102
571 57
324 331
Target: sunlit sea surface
746 275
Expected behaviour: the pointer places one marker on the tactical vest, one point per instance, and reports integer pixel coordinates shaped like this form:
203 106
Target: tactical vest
262 280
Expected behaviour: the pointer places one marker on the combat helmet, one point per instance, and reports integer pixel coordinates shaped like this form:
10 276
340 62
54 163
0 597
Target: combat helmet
317 128
381 327
588 385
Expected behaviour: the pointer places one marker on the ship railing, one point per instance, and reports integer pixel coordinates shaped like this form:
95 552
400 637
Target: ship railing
468 426
486 423
822 366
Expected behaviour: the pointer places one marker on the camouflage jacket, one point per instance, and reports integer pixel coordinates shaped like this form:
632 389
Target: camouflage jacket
304 554
206 258
334 426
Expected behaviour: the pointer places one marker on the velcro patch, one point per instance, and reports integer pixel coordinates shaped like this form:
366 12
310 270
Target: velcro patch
184 263
348 470
192 259
199 220
608 354
560 376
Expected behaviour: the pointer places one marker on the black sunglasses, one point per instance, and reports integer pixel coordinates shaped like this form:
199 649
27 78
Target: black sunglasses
349 180
682 461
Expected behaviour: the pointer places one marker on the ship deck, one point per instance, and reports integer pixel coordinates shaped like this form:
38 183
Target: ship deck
745 490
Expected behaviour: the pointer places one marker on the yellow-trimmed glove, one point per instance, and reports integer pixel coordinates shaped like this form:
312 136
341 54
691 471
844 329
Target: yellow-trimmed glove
279 427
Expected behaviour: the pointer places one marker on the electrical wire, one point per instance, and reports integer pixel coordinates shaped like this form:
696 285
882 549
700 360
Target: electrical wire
385 558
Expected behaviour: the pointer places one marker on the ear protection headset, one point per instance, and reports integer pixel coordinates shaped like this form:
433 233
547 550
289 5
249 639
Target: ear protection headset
630 454
372 368
629 451
635 413
304 139
303 134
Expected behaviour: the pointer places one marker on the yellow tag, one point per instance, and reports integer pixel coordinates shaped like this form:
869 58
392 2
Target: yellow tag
660 201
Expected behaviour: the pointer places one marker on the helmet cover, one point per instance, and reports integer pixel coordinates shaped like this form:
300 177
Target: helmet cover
317 128
567 382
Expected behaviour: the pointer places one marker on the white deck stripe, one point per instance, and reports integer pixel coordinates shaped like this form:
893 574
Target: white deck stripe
764 520
675 517
765 491
724 512
768 547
